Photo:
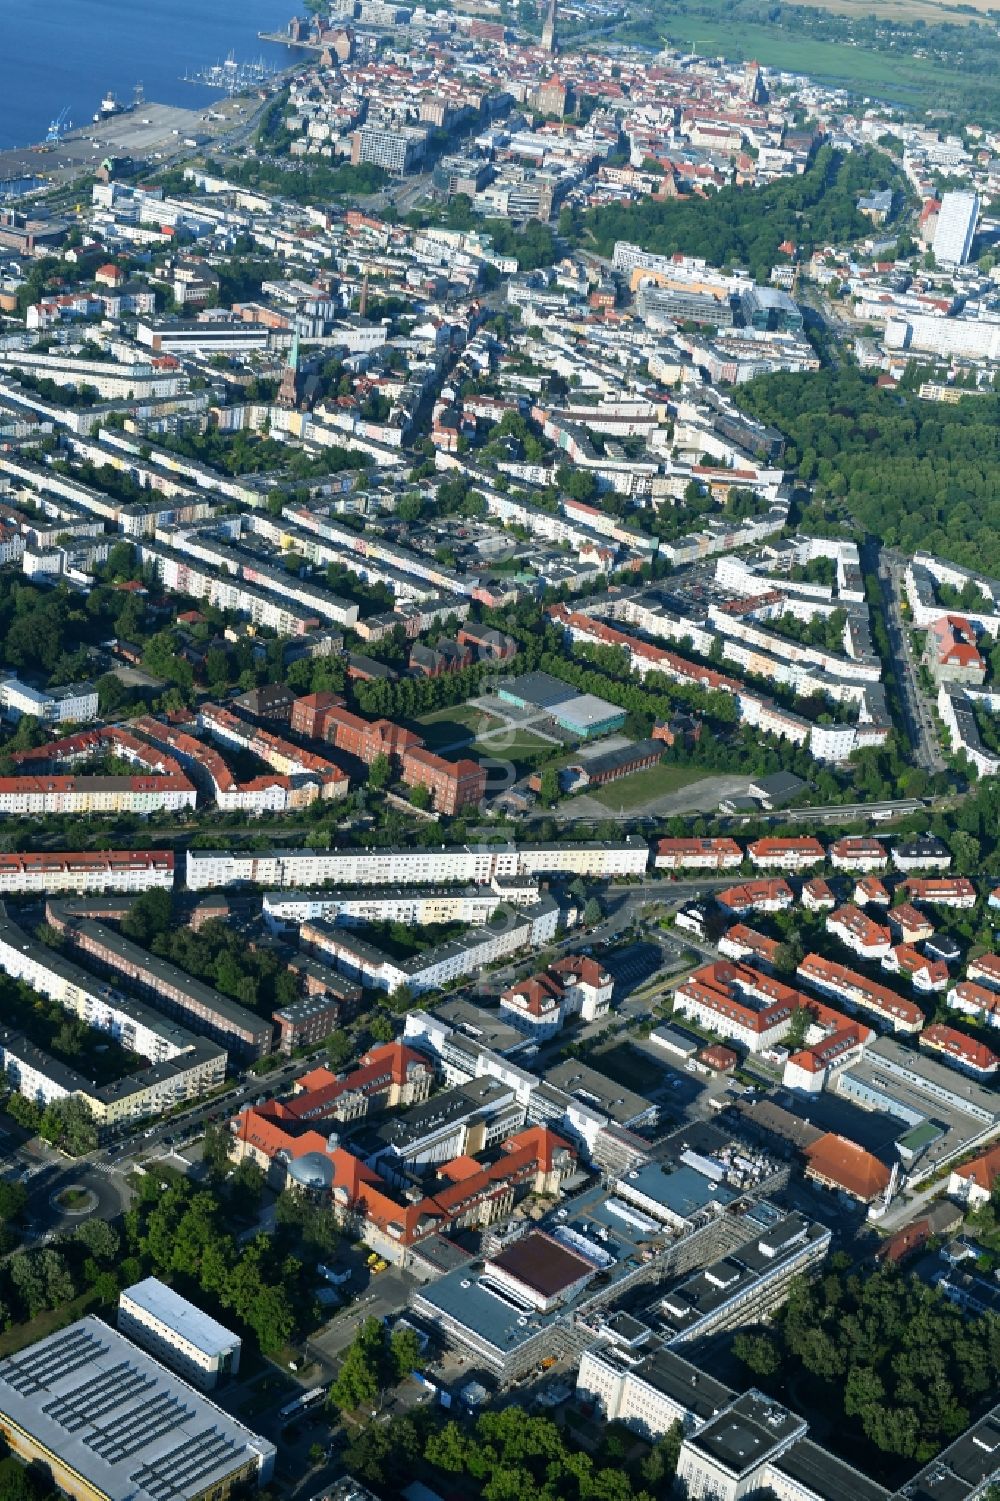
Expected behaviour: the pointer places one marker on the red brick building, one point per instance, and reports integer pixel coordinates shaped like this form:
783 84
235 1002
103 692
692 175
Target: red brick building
452 784
366 738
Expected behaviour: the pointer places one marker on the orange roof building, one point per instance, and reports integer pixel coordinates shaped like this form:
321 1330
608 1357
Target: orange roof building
466 1193
835 1162
964 1052
975 1181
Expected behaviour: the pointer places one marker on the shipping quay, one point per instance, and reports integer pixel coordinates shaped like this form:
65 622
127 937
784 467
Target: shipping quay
285 39
151 133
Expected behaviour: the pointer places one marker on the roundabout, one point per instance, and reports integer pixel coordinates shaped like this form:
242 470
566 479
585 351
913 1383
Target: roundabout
74 1199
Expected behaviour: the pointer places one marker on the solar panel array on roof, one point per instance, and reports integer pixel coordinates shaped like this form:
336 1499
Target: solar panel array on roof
138 1427
187 1468
85 1404
32 1370
113 1415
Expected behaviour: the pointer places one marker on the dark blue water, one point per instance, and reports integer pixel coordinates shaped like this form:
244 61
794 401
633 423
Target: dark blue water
58 53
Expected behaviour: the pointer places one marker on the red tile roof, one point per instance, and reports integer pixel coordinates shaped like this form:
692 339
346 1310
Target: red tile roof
843 1164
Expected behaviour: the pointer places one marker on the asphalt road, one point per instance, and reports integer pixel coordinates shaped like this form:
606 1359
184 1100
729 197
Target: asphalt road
920 719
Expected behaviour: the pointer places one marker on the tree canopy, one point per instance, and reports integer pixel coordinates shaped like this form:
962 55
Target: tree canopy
916 474
745 226
892 1355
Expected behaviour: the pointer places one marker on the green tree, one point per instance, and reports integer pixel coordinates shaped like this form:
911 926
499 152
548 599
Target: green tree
379 772
405 1352
758 1353
446 1449
360 1380
548 789
99 1239
13 1201
150 916
410 507
797 1028
216 669
25 1112
660 1465
339 1049
69 1124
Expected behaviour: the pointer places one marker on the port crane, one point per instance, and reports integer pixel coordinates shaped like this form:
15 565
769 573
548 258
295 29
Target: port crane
60 124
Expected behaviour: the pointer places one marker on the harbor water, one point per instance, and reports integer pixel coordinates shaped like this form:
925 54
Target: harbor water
65 55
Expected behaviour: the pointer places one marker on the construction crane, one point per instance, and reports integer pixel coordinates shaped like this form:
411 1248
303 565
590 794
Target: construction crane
60 124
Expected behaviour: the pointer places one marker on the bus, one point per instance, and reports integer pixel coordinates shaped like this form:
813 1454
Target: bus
302 1404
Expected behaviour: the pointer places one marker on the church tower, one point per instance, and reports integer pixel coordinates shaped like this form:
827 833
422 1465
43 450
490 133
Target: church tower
288 395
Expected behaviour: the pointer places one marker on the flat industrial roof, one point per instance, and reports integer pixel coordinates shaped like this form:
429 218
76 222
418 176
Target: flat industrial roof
598 1090
825 1475
455 1104
709 1289
131 1429
182 1317
747 1431
488 1028
959 1470
683 1191
585 709
539 688
543 691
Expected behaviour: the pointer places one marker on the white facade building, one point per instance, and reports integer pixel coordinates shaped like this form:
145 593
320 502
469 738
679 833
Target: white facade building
464 864
178 1333
74 703
956 228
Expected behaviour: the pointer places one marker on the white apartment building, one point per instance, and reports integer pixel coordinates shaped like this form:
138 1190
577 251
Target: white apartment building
795 653
136 1026
739 1003
179 575
856 930
786 854
112 381
38 795
73 703
856 990
178 1333
365 546
474 905
976 1001
465 865
437 968
925 853
697 854
33 1073
966 338
858 853
111 870
956 228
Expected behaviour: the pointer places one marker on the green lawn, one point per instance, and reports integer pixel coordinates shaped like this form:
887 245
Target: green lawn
455 726
19 1335
643 786
523 747
464 714
897 76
